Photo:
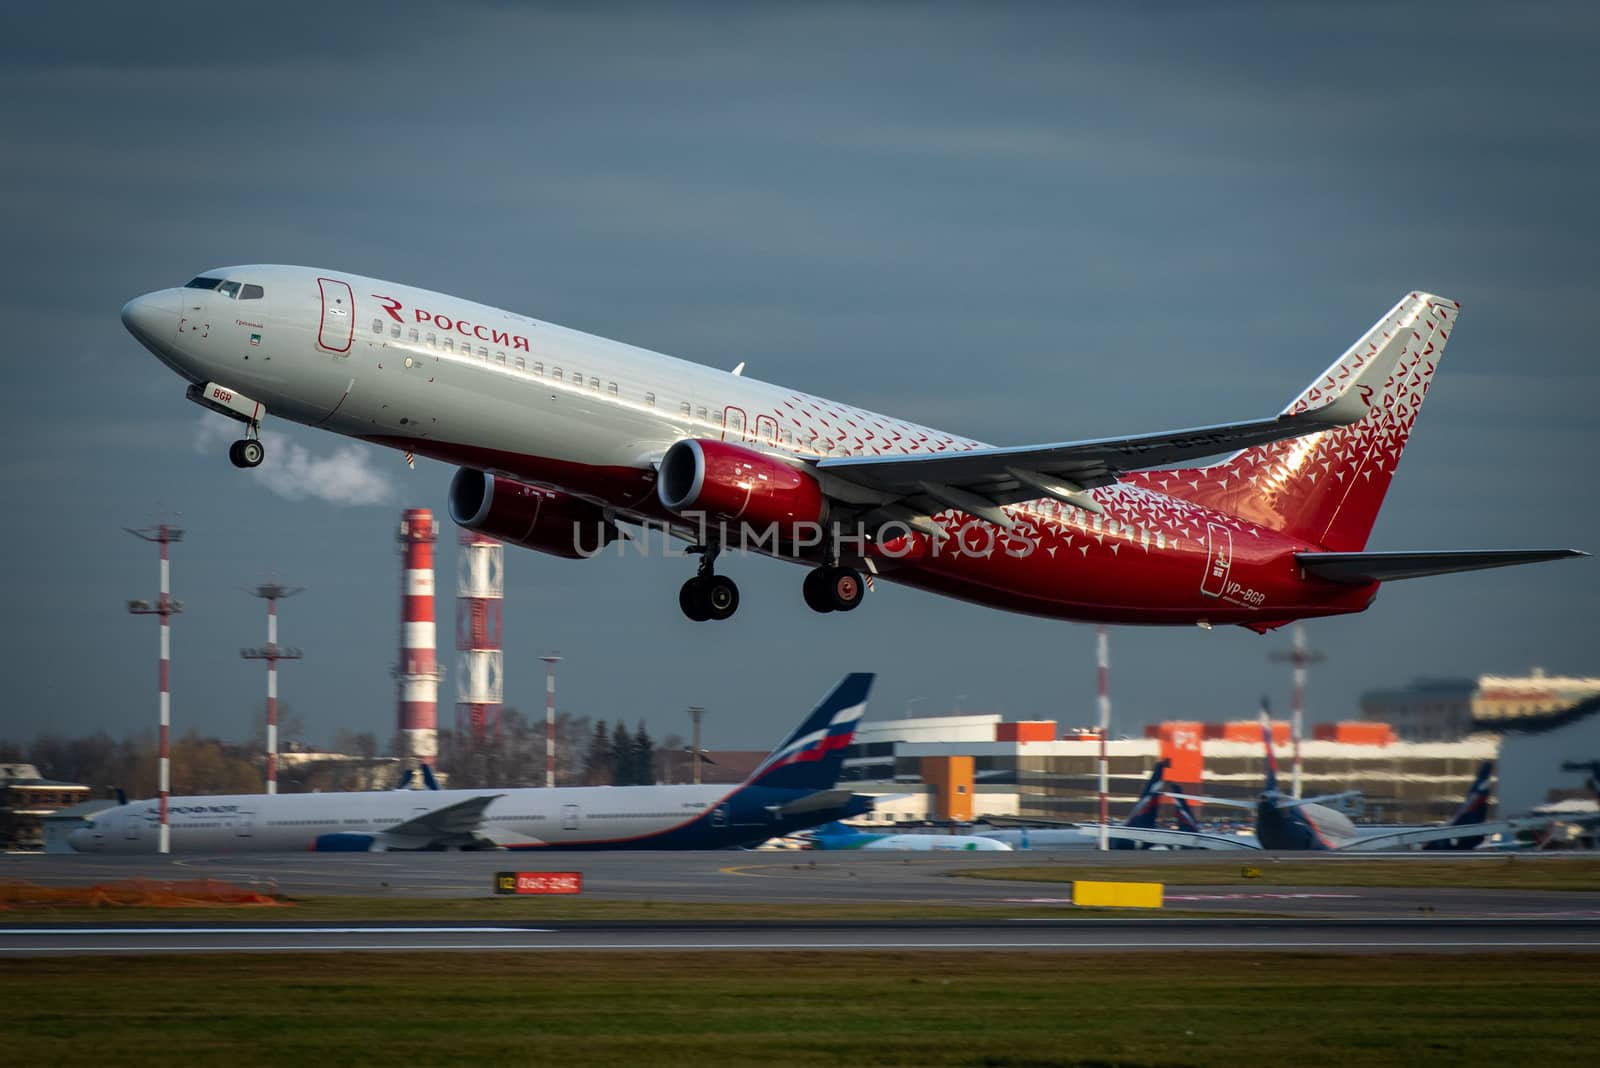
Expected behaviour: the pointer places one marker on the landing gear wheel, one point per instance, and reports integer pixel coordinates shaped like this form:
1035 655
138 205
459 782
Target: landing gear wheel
692 599
246 452
721 596
815 590
844 588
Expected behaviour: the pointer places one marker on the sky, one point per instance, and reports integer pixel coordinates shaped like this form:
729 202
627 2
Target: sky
1022 223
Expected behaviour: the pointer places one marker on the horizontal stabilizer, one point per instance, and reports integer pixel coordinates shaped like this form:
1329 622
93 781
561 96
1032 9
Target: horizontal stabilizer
1361 568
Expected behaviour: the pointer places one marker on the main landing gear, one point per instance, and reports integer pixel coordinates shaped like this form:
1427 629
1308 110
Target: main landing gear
833 588
708 595
247 452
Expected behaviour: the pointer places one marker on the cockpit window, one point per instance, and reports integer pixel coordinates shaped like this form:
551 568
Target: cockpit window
203 282
229 289
251 292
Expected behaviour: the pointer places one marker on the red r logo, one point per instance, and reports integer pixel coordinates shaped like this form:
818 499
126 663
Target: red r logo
391 306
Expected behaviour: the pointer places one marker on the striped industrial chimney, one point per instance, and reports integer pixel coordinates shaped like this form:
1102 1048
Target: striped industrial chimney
418 670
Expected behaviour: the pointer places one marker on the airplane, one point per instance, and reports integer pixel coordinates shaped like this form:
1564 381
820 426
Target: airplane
843 836
792 789
562 437
1285 822
1087 836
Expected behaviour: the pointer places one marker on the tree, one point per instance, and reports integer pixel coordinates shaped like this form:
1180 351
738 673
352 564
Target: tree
597 761
644 757
622 770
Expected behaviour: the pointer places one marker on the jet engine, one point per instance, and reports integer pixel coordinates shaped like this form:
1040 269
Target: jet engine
533 517
726 482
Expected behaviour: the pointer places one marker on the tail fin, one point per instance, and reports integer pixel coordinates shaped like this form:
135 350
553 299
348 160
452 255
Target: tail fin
1266 739
1148 807
1327 487
1475 809
1186 817
813 754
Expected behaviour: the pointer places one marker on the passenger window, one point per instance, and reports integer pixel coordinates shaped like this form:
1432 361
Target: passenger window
377 326
394 331
684 408
611 388
449 343
411 334
252 292
577 378
538 368
500 358
483 353
555 373
594 384
229 289
521 364
650 400
430 339
788 438
700 413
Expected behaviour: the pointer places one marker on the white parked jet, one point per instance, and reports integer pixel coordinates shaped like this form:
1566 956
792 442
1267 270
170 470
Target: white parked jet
791 790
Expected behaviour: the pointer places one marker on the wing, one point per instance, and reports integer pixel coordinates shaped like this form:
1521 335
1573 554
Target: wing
1361 568
450 825
979 481
1182 839
1443 832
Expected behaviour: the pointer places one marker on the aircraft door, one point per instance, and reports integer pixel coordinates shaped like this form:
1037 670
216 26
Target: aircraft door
244 824
733 424
337 329
569 817
1219 560
133 826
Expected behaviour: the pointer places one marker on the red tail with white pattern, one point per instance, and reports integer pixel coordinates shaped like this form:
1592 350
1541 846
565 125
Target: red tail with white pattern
1327 487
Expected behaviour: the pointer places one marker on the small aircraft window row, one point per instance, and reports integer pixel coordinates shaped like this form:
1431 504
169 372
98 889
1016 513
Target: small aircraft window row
228 288
556 374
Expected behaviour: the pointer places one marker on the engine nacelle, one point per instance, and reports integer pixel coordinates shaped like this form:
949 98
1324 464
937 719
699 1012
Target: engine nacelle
726 482
533 517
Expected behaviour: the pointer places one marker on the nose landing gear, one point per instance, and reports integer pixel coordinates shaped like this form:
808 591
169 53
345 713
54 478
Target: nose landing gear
708 596
247 452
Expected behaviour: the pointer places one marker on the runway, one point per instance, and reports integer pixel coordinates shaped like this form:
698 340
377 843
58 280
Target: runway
1002 935
808 878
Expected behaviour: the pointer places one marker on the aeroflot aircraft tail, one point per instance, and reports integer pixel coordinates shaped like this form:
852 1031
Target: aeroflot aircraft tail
1327 487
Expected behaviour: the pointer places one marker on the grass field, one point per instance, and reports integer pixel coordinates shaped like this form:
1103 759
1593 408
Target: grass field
800 1008
1489 873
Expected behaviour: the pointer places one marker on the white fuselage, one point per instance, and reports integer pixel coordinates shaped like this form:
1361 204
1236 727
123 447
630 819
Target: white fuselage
413 365
296 822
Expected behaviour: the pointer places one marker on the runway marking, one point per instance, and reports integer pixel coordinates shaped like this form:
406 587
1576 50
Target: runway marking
799 946
268 930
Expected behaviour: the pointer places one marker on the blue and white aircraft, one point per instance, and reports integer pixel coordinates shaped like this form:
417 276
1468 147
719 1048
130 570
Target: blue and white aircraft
792 789
1284 822
1146 810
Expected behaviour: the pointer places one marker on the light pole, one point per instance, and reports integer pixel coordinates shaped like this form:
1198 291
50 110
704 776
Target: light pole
166 608
550 663
1300 657
695 712
273 593
1103 672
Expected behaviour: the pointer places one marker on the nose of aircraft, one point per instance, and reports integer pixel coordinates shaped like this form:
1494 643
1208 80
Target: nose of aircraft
152 318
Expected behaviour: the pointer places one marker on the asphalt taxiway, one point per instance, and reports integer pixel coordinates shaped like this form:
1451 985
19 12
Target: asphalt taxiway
808 878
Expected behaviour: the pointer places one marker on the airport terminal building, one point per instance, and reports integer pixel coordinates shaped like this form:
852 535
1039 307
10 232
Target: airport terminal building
958 768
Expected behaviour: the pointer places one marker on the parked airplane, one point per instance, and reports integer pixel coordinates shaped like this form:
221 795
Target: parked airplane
1144 813
561 436
1284 822
792 789
844 836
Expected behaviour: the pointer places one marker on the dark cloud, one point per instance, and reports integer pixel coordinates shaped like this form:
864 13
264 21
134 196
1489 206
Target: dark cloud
1023 223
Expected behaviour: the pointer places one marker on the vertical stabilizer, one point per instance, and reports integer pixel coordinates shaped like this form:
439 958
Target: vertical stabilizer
1271 785
812 756
1327 487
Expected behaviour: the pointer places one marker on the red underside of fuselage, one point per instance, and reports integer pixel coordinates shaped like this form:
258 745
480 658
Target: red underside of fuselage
1113 571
